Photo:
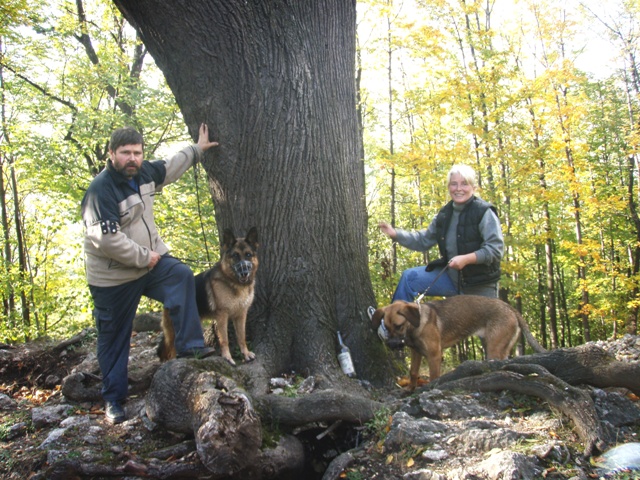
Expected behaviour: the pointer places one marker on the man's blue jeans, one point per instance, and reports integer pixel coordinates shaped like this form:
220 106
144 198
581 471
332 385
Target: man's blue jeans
169 282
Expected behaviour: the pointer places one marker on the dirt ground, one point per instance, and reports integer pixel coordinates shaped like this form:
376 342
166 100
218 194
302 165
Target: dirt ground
31 375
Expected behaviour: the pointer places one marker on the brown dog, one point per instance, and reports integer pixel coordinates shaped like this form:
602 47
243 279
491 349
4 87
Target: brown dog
223 293
433 326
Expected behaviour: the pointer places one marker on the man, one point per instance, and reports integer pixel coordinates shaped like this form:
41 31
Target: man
126 258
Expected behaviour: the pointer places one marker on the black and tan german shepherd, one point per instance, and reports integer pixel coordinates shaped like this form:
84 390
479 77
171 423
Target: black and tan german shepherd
223 293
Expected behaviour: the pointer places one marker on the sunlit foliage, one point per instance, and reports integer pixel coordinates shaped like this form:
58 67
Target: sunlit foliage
71 73
502 87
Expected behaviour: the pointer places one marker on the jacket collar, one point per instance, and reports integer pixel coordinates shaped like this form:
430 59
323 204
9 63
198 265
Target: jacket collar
451 205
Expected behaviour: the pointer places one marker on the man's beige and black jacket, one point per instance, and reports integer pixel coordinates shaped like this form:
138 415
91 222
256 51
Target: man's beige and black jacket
120 231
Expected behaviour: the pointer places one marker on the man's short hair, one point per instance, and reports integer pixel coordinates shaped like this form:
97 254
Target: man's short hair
125 136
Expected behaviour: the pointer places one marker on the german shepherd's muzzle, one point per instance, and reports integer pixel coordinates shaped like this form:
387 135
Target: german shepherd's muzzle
243 270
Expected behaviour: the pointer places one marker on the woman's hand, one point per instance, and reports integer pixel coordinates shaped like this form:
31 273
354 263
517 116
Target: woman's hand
460 261
388 230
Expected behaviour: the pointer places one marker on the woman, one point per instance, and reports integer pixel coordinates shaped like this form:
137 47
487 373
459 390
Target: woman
468 234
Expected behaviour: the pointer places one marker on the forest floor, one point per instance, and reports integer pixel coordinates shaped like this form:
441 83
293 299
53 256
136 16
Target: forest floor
30 382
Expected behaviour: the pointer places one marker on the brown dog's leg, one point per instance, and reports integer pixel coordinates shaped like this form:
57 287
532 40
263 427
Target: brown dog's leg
501 336
435 363
167 348
239 325
432 347
222 322
414 371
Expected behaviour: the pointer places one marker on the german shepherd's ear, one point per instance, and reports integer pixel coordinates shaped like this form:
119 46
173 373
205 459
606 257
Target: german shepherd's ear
228 239
252 238
411 311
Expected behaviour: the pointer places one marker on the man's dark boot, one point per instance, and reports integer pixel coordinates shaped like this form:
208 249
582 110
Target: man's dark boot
113 412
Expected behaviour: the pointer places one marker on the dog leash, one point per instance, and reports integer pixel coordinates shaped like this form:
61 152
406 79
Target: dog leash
204 236
421 296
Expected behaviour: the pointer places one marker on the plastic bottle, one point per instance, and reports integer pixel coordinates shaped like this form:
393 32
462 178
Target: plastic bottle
344 357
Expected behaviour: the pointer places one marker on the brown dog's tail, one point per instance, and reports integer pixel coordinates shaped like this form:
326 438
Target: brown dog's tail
166 348
531 340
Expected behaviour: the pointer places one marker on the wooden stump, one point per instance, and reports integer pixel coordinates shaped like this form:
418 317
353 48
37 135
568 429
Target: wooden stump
184 397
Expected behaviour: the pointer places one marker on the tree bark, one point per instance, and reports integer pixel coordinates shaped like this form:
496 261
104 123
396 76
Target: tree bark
188 396
323 406
275 81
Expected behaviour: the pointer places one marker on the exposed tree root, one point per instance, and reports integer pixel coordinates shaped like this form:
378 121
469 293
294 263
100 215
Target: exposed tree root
549 376
586 364
320 406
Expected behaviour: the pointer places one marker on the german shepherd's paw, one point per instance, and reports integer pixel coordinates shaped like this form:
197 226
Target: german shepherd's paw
248 357
228 358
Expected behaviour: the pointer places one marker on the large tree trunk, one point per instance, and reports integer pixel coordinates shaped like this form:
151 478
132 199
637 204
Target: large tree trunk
275 81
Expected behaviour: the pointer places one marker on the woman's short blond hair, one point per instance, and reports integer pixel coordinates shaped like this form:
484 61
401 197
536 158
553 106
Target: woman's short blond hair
466 172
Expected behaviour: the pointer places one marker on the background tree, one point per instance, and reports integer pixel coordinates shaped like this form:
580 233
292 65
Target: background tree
56 121
621 24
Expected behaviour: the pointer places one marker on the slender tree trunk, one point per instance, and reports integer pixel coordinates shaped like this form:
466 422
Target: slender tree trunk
548 255
392 202
542 304
474 121
583 313
22 253
561 299
8 300
632 193
505 210
548 233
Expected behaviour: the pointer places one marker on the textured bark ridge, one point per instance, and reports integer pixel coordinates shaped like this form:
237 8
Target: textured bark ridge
321 406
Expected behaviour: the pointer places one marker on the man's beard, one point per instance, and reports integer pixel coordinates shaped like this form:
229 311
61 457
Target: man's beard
129 170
